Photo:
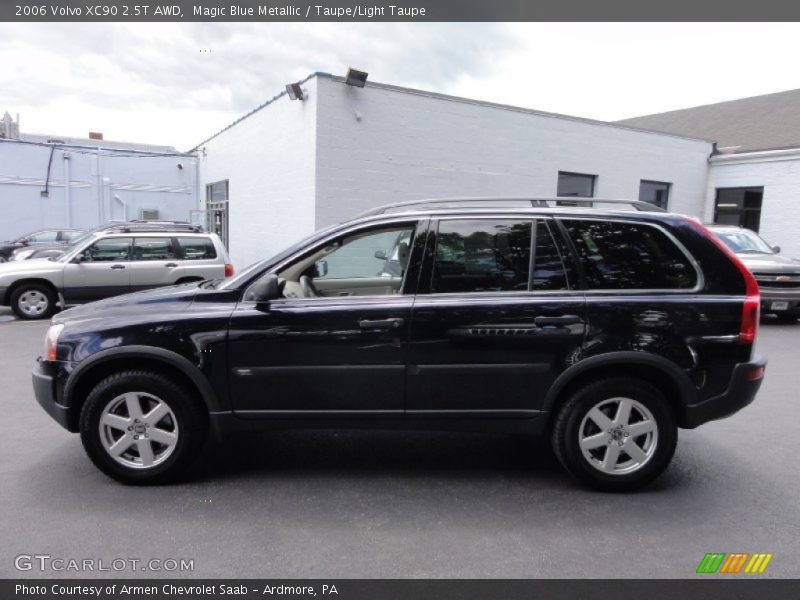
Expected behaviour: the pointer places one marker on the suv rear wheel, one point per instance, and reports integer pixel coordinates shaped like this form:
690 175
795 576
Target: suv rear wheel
616 434
33 301
140 427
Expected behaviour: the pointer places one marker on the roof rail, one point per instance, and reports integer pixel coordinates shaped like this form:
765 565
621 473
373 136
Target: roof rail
519 202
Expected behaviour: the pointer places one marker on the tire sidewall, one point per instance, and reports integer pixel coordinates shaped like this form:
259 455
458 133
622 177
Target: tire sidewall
584 400
48 293
190 427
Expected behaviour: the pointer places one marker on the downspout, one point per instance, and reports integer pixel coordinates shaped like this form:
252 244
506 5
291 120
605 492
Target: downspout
67 189
124 207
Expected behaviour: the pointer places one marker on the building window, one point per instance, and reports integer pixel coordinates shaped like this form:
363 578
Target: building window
655 192
576 185
739 206
217 191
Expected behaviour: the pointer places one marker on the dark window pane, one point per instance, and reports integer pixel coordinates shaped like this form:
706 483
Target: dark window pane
548 270
153 249
197 248
629 256
577 185
654 192
108 250
482 256
217 192
739 206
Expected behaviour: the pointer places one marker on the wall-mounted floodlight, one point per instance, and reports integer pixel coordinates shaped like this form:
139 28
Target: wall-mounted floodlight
295 91
356 78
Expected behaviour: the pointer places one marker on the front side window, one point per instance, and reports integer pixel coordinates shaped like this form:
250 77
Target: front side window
482 255
629 256
108 250
71 236
43 237
367 263
153 248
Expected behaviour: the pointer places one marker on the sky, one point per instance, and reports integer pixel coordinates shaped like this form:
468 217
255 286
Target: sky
177 83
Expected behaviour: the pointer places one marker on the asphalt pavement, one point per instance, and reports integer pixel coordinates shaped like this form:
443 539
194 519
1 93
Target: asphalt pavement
392 504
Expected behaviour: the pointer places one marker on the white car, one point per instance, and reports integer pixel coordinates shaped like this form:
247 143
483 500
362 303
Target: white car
110 264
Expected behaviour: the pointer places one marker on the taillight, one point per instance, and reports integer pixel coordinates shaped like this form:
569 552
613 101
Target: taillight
751 309
228 270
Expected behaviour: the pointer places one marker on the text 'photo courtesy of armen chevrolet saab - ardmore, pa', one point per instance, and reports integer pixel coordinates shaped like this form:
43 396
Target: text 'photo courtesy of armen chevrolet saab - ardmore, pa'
397 309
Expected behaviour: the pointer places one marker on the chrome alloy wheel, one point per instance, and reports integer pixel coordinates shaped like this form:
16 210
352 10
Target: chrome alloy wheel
618 436
33 303
138 430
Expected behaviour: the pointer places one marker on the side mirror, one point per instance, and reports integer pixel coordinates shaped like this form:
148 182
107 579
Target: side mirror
776 249
264 290
78 258
380 254
321 268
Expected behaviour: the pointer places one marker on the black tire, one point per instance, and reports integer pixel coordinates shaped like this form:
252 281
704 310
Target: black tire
566 434
24 291
189 411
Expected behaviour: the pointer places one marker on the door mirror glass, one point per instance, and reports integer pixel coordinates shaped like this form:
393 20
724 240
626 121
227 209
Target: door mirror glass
321 268
265 289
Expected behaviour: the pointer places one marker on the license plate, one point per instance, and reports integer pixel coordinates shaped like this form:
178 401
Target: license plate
779 305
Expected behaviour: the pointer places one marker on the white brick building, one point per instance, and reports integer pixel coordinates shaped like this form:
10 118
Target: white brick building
294 166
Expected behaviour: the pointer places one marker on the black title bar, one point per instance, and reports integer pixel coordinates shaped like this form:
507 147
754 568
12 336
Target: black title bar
396 10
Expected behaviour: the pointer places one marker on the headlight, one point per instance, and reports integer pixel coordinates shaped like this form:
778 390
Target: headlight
22 255
51 341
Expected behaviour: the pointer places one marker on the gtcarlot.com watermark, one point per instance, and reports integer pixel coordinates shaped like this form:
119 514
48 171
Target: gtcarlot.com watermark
46 563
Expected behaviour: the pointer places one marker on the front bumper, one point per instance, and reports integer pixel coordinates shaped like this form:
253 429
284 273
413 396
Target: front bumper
790 296
742 390
44 388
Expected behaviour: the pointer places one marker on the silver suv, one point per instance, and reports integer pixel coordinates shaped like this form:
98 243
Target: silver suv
110 264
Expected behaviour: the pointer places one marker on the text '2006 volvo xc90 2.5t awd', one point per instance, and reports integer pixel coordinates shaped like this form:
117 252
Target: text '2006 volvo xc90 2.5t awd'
606 330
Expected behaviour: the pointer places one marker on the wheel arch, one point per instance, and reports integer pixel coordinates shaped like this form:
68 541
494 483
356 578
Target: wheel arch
6 300
99 366
666 376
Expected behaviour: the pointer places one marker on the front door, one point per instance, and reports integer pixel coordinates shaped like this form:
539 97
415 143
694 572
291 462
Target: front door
498 322
335 344
102 271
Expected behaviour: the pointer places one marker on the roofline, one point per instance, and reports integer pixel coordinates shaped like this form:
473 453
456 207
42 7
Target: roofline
258 108
106 149
461 100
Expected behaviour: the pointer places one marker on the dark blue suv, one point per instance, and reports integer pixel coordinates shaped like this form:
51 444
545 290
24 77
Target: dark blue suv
605 330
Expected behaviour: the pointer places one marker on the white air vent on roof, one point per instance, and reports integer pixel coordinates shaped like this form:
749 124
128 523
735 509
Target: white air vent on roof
148 214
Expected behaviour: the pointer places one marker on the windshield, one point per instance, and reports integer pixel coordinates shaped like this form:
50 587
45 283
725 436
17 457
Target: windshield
744 241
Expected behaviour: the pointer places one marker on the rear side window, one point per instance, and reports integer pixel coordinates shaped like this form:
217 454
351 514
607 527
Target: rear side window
482 255
629 256
152 248
197 248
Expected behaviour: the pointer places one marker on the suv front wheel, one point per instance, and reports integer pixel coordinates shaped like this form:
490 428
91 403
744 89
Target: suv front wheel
616 434
140 427
33 301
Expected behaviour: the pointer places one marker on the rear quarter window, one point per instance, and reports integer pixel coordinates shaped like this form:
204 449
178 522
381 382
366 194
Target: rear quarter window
629 256
196 248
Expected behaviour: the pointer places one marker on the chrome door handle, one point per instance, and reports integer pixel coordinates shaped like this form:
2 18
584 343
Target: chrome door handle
381 323
117 266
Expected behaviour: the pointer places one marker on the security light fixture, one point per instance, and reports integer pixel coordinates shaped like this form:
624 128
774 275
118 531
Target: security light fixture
295 91
356 78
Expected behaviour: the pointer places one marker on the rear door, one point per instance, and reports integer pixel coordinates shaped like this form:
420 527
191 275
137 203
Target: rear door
153 260
103 271
496 318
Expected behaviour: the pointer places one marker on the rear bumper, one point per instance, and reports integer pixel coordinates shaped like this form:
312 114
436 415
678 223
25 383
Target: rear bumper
44 388
742 390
